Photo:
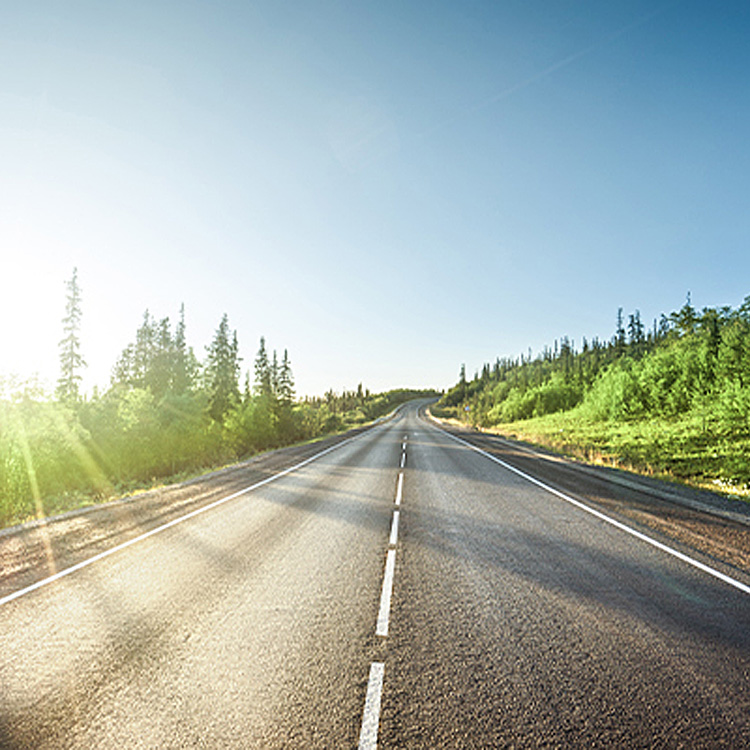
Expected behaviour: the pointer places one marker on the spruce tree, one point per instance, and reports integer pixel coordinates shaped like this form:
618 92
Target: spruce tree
71 360
180 374
286 382
275 375
160 374
620 341
122 372
263 384
685 319
222 371
637 338
143 351
285 402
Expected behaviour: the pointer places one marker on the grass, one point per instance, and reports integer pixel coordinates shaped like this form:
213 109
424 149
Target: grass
59 503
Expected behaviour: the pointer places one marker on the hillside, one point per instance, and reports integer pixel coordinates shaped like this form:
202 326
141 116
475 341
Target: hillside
673 400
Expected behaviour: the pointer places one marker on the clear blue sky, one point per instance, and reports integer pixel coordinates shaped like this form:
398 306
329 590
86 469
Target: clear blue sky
387 189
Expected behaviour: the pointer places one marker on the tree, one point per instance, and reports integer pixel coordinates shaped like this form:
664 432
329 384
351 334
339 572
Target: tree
275 374
711 324
181 376
286 382
619 340
263 383
686 319
71 360
222 371
636 333
158 360
160 375
143 352
285 395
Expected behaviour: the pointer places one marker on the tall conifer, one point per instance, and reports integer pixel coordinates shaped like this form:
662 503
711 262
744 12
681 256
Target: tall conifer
181 374
222 371
71 360
263 385
286 381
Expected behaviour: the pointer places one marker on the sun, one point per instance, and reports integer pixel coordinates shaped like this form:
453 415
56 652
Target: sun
32 305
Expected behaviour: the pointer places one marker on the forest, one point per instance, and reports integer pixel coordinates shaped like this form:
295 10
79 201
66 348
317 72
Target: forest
671 400
167 414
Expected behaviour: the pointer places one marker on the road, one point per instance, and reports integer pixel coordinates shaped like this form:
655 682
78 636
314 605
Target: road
405 588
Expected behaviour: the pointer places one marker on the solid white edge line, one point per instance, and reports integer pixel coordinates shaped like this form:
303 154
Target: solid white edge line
394 530
368 734
603 517
399 488
91 560
384 612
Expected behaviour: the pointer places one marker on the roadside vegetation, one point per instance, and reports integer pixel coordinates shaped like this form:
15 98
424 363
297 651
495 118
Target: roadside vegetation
166 415
672 401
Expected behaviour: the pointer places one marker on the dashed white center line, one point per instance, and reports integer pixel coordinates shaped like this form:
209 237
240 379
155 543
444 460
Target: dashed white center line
368 734
385 597
394 529
399 488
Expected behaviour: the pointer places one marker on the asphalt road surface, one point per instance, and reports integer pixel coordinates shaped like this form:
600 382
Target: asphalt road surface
404 588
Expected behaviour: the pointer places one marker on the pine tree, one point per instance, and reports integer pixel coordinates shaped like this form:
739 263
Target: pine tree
143 351
636 334
275 375
181 375
222 371
619 340
685 319
71 360
286 382
263 384
122 372
158 360
160 373
284 406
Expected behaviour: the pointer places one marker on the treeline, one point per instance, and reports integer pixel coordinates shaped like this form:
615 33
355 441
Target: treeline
166 412
686 363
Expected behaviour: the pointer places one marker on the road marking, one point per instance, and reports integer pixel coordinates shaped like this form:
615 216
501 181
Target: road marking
169 524
399 488
394 529
368 734
403 459
603 517
385 597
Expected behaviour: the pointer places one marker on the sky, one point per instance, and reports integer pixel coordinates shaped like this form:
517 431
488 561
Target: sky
386 189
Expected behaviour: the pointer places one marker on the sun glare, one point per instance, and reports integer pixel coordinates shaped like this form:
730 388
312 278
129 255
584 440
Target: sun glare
32 303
